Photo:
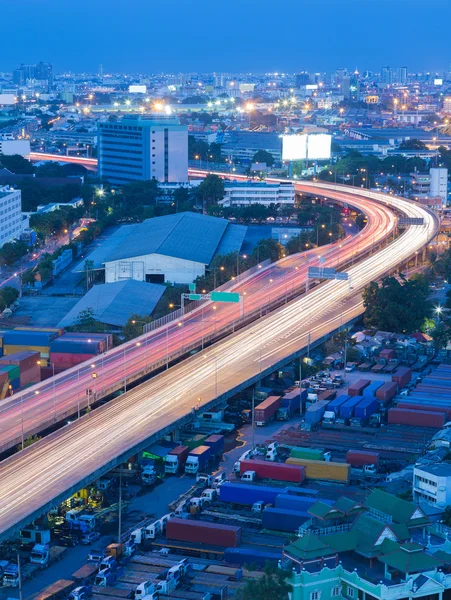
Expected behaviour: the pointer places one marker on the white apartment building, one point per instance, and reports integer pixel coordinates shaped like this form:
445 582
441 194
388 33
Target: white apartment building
432 484
439 183
246 193
12 222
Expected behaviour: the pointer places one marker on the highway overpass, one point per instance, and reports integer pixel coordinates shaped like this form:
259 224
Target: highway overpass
35 479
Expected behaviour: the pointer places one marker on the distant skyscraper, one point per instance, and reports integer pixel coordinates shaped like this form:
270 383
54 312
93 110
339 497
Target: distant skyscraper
42 71
387 75
354 87
402 75
101 72
302 79
143 147
219 80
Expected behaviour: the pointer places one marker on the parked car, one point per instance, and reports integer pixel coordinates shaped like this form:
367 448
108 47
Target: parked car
90 538
69 540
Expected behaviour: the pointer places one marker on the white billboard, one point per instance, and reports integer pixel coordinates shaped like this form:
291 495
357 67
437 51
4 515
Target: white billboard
294 147
319 146
7 99
137 89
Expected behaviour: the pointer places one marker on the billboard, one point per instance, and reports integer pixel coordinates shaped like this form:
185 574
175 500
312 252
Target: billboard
294 147
314 146
7 99
319 146
137 89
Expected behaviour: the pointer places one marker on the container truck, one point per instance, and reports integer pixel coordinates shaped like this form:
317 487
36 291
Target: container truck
360 458
176 459
11 573
272 470
334 406
372 388
216 443
197 459
325 471
347 409
315 412
240 493
310 453
266 410
420 405
421 418
387 392
298 503
356 388
250 556
363 411
283 519
203 532
44 555
59 589
402 376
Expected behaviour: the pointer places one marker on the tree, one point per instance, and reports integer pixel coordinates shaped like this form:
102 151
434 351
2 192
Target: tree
210 191
9 294
412 144
16 164
440 335
271 586
134 326
268 249
87 322
181 198
263 156
11 252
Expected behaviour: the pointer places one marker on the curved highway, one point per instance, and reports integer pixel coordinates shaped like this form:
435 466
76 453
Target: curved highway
34 478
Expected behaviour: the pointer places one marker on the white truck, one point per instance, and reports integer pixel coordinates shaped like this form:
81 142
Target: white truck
148 475
367 473
80 521
44 555
11 574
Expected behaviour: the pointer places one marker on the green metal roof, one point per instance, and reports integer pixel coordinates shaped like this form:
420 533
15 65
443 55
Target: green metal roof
342 542
321 510
348 506
410 558
308 546
401 511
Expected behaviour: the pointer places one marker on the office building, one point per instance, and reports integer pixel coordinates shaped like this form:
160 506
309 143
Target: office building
432 484
44 72
245 193
12 222
41 72
386 77
447 104
439 183
143 147
402 75
302 79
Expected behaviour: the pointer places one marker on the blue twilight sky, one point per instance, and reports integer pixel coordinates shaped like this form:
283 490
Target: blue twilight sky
226 35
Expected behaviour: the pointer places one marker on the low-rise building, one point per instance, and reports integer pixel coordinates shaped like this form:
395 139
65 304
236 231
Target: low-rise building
245 193
432 484
12 221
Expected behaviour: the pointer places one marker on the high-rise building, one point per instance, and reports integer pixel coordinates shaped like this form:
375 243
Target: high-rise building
386 76
44 72
12 222
143 147
302 79
402 75
354 87
439 183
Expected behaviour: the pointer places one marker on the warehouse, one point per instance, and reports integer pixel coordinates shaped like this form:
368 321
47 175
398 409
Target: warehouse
172 249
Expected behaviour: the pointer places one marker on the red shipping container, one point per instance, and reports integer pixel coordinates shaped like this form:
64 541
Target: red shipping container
266 409
421 418
387 353
32 375
182 453
24 360
272 470
387 392
3 377
427 407
65 360
356 388
204 533
402 376
359 458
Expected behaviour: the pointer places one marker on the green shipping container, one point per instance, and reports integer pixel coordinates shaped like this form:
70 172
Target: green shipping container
12 370
195 441
308 453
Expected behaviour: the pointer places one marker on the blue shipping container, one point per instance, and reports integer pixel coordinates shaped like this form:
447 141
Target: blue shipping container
347 409
15 383
337 402
315 412
372 388
241 493
28 338
250 556
294 502
283 519
366 407
302 491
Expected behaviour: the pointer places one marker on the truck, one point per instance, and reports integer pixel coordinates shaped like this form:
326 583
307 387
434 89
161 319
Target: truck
379 366
273 470
240 493
176 459
203 532
392 365
361 458
78 520
44 555
85 573
364 410
310 453
366 473
11 574
216 443
356 388
82 592
59 589
266 410
197 459
322 470
283 519
347 409
148 474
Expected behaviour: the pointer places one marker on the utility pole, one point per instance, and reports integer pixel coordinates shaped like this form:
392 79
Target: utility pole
19 572
119 531
253 418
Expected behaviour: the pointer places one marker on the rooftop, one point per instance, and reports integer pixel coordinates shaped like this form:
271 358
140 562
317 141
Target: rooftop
439 470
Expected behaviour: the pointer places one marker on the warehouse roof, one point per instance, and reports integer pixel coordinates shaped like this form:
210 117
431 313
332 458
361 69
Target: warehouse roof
115 303
187 235
401 511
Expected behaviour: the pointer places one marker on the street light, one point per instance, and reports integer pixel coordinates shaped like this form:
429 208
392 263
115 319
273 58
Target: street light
39 362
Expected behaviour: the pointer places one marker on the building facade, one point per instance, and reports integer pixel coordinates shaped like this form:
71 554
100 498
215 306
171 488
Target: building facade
432 484
143 147
12 221
242 193
439 183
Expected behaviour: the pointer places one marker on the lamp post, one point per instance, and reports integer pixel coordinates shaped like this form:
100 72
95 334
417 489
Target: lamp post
144 333
39 362
94 377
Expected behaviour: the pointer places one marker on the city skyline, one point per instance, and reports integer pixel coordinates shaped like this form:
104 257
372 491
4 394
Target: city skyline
255 40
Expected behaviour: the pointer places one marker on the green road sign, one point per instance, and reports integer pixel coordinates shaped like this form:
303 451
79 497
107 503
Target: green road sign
192 287
224 297
195 296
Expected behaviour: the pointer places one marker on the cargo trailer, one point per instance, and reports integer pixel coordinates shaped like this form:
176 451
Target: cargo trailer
421 418
360 458
251 556
402 376
272 470
216 443
266 410
368 406
325 471
372 388
356 388
243 493
298 503
203 532
387 392
335 405
284 519
309 453
347 409
315 412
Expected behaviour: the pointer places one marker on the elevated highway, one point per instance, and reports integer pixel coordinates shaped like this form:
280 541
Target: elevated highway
45 473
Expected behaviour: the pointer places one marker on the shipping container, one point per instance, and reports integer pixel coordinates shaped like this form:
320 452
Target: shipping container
15 384
30 376
28 338
244 493
309 453
298 503
284 519
327 395
292 401
368 406
251 556
387 353
181 452
201 532
266 410
266 469
387 392
216 443
402 376
326 471
195 441
203 453
315 412
347 409
12 370
44 351
334 406
24 360
421 418
82 343
360 458
66 361
372 388
356 388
